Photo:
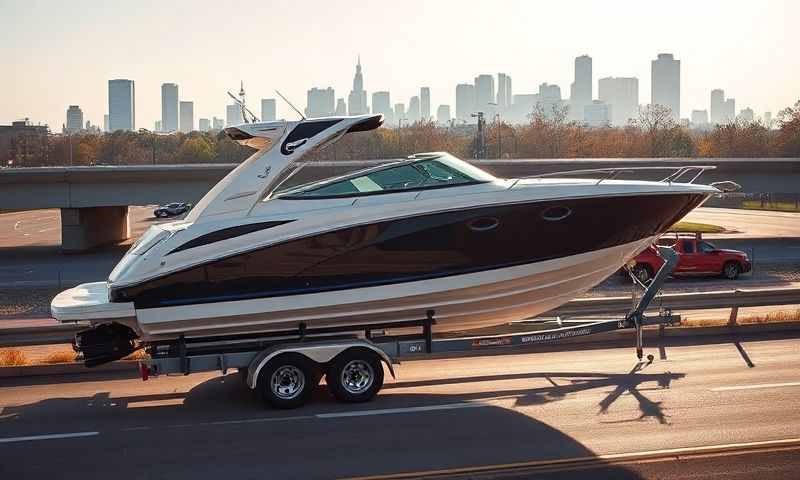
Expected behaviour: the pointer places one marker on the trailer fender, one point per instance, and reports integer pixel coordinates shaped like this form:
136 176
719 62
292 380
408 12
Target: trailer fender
319 353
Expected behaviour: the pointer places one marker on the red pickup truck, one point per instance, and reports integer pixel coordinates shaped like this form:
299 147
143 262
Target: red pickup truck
695 257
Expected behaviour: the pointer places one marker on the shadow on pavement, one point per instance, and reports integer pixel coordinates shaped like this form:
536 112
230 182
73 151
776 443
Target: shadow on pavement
222 415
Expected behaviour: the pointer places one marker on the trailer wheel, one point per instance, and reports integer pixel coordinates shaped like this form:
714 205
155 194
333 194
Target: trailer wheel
287 380
355 376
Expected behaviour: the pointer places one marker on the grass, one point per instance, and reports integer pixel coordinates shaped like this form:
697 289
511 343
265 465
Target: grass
773 317
12 358
696 227
64 356
772 206
776 316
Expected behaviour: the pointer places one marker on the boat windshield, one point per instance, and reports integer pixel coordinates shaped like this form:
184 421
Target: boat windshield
428 172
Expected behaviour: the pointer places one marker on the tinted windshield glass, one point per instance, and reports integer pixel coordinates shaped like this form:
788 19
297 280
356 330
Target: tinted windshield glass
434 172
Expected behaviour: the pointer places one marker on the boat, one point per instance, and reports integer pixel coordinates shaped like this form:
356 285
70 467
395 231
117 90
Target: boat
377 248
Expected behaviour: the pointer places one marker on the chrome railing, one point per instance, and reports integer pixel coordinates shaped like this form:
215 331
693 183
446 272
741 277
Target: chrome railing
613 172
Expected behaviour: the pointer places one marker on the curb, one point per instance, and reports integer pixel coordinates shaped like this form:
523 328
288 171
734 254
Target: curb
599 340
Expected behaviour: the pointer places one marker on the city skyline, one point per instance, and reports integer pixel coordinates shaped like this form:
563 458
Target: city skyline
204 74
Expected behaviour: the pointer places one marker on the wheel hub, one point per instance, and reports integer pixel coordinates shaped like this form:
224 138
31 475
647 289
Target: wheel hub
287 382
357 376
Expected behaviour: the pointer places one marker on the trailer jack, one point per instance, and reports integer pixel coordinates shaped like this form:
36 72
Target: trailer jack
636 317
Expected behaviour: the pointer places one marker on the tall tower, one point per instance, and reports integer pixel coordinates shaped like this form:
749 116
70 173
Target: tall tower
425 103
186 124
74 119
169 107
665 77
357 100
580 93
717 106
121 105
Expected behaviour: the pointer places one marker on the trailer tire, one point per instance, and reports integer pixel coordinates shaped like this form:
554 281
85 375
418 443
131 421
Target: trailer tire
287 380
355 375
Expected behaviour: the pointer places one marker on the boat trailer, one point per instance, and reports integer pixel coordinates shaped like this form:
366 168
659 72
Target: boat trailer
285 368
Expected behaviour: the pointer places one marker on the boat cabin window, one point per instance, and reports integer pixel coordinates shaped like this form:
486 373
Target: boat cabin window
428 173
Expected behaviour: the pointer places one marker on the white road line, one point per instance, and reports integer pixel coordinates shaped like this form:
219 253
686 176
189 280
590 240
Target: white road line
52 436
390 411
754 387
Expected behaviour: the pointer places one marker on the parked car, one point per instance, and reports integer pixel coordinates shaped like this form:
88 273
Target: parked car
696 257
171 209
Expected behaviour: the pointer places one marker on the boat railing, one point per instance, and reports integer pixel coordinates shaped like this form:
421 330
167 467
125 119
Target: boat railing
603 174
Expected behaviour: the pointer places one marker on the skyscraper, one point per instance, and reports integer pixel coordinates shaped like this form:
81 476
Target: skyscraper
204 125
729 114
465 101
217 123
717 106
121 105
105 123
413 113
425 103
622 93
341 107
74 119
267 109
504 96
597 114
549 98
233 115
320 102
169 107
580 92
381 103
768 120
357 100
443 114
157 126
187 117
400 113
665 79
700 118
484 94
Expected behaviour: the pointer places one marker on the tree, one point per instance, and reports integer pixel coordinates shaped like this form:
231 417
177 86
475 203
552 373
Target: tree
787 142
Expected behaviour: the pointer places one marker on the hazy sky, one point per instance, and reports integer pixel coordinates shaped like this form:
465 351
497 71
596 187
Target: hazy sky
54 54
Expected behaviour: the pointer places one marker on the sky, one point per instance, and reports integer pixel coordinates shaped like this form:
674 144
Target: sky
55 54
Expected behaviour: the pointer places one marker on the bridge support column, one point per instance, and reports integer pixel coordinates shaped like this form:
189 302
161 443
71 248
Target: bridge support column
85 228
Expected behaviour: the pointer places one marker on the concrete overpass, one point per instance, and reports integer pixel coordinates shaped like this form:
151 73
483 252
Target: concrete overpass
94 200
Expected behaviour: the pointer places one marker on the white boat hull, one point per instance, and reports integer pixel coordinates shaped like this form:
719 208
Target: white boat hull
460 302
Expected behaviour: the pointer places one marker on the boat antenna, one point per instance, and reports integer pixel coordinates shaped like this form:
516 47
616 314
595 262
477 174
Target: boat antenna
241 102
290 104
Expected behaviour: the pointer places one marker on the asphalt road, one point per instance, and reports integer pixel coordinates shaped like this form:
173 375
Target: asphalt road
589 414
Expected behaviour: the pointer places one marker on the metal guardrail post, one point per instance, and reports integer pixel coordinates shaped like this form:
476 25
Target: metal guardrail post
733 317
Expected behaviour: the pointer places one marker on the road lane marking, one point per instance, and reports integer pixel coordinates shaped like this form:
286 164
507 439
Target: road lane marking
390 411
220 422
52 436
754 387
566 464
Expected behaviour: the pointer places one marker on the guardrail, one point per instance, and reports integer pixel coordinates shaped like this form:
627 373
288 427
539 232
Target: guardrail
733 299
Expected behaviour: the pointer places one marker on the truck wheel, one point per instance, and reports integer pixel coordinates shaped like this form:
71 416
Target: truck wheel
731 270
287 381
355 376
643 273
